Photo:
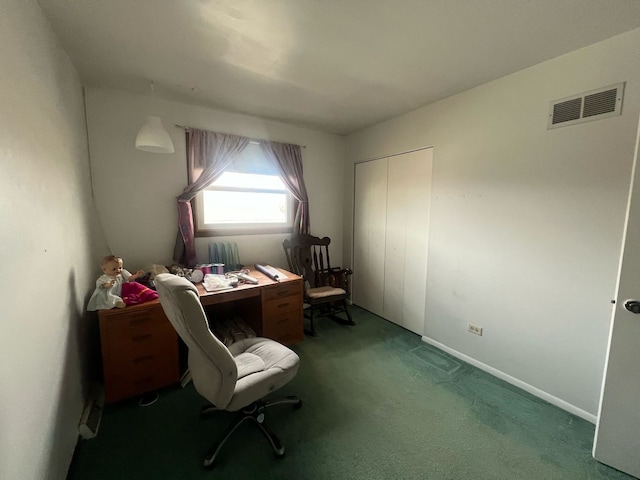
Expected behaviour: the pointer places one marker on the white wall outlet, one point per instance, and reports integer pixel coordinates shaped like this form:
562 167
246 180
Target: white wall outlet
474 329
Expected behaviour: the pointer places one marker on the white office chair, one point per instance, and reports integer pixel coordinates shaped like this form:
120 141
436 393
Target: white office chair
236 378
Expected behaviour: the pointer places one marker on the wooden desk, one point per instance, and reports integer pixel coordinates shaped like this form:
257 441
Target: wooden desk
140 347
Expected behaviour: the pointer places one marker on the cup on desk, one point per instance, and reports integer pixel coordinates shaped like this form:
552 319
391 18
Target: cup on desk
205 269
217 268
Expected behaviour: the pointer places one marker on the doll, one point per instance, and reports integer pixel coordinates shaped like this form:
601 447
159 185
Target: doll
108 292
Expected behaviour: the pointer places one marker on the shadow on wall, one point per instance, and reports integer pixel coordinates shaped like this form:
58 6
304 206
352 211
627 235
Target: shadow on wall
87 339
63 436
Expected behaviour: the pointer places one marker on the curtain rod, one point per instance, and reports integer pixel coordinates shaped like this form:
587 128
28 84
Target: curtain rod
250 138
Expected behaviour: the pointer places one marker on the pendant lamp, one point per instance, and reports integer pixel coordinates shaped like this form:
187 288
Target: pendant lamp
153 137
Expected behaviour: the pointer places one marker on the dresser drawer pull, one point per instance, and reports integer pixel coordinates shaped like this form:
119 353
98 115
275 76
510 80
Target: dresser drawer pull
284 320
282 305
143 358
141 338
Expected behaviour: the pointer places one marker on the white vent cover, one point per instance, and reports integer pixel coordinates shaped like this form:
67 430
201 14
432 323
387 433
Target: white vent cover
593 105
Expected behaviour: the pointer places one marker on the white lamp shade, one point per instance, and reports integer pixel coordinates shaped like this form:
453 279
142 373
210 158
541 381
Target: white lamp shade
152 137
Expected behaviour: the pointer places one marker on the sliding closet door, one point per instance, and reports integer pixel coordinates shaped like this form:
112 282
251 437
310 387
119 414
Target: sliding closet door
369 234
407 232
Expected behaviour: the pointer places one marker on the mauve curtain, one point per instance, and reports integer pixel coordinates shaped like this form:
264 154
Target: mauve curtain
288 158
208 156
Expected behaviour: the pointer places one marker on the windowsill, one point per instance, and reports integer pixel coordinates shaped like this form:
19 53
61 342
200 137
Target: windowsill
233 231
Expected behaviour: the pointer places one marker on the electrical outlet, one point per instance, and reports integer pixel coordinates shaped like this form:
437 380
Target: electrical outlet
474 329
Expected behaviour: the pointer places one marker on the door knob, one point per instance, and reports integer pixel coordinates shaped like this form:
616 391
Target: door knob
632 305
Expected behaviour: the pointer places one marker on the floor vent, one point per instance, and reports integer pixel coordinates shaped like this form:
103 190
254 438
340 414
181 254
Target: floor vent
593 105
92 414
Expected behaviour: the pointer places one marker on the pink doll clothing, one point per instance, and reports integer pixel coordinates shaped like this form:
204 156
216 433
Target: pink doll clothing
134 293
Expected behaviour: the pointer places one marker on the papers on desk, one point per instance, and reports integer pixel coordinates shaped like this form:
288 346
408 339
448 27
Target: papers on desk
216 283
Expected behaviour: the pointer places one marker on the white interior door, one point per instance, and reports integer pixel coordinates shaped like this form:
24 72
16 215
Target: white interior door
617 440
370 207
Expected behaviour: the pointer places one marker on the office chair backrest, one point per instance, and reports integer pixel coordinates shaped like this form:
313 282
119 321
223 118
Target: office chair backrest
213 370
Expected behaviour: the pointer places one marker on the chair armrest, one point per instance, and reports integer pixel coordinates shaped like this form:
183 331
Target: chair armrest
342 270
337 277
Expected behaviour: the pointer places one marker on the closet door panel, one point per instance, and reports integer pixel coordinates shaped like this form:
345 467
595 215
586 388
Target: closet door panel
369 235
360 235
417 184
396 230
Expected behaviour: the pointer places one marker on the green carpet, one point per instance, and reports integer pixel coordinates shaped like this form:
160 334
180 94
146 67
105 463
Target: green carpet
378 403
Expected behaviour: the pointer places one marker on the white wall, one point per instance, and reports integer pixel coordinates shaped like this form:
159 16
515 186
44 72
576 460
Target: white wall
50 240
526 223
135 191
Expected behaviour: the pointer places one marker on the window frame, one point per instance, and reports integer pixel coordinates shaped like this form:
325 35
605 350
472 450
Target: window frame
238 228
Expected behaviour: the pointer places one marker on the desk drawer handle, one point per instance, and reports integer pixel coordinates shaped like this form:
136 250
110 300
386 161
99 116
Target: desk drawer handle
139 321
282 305
141 338
143 358
284 320
143 380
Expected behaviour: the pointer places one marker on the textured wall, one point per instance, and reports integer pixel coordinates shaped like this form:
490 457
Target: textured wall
526 223
49 239
135 191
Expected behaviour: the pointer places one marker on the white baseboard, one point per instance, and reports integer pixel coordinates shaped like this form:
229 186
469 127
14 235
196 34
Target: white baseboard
589 417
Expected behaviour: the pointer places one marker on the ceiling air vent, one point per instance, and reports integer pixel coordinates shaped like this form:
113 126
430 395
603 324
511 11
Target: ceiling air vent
594 105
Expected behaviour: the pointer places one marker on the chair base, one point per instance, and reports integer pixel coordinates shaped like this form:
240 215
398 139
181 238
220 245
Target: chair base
332 313
256 413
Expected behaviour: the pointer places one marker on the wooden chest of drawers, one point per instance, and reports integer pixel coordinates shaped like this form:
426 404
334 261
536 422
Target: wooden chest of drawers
139 351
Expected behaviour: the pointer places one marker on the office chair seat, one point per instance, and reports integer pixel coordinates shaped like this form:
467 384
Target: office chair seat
234 378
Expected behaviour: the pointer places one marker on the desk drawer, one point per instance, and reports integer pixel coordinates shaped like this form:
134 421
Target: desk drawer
139 351
142 337
272 308
286 328
128 380
285 289
131 350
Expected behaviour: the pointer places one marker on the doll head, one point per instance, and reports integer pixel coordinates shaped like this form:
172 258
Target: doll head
111 265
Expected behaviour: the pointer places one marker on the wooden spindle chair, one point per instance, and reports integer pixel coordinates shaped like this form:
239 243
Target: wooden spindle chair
326 287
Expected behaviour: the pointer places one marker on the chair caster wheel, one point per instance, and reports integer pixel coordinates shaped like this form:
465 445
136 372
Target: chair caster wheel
297 406
280 453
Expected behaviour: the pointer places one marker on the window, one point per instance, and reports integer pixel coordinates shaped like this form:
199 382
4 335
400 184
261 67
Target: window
248 198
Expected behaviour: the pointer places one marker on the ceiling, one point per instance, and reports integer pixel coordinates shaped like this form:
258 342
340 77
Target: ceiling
330 65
